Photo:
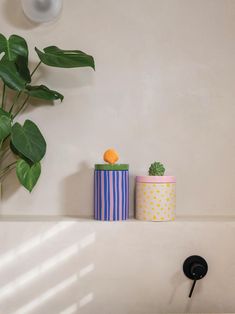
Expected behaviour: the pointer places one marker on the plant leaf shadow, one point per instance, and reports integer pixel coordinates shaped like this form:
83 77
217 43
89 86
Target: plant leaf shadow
10 185
177 280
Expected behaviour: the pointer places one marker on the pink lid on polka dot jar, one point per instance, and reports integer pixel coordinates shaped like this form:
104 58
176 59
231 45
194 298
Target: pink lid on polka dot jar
155 195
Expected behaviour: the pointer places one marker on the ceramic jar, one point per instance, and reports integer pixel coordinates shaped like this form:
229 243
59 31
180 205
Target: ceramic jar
155 198
111 192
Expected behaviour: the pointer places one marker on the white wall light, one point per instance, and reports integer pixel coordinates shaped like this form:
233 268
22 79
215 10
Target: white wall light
41 11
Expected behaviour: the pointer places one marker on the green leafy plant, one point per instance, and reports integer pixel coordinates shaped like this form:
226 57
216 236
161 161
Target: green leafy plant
156 169
26 142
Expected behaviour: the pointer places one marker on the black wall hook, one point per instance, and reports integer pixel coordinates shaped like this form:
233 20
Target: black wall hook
195 267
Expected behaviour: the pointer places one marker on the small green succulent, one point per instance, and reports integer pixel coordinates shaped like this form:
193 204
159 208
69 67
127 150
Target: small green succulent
156 169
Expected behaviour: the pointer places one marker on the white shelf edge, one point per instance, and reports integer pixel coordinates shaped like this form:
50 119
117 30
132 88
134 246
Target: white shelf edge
179 218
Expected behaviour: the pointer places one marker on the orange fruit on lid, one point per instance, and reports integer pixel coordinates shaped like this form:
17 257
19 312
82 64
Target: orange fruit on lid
111 156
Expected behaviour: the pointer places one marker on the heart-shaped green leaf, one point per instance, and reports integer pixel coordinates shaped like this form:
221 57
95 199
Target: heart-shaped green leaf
16 49
43 92
28 140
5 126
56 57
28 174
11 76
13 47
18 154
22 68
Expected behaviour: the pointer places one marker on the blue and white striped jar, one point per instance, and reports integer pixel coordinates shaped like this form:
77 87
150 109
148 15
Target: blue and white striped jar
111 192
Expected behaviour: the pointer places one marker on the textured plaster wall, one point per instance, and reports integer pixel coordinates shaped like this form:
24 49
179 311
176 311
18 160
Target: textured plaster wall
163 90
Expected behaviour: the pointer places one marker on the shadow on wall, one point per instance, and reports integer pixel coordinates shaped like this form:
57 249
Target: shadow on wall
10 186
77 193
10 183
131 195
52 278
14 15
177 280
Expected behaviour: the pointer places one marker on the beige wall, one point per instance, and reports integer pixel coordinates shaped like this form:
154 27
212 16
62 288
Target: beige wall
163 90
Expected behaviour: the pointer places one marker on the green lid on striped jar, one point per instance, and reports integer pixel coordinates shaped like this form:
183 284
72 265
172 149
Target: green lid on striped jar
112 167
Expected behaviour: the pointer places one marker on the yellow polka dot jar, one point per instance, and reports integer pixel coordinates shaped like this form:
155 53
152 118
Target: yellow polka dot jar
155 198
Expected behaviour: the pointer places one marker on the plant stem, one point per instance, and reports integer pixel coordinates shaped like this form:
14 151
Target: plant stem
19 93
15 101
4 171
3 94
36 68
21 107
